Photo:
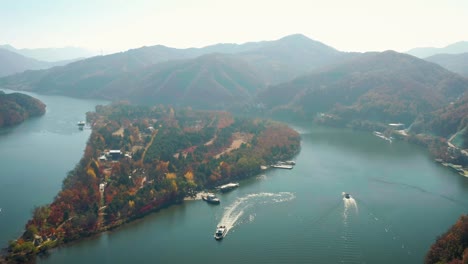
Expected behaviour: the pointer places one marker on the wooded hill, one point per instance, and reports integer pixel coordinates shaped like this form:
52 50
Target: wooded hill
384 87
17 107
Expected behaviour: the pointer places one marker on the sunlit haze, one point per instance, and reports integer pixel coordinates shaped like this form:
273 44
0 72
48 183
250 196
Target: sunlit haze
113 25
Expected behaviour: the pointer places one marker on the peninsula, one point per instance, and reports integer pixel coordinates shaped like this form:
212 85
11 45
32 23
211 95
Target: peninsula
139 159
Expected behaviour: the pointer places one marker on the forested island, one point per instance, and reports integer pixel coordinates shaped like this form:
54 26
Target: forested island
140 159
17 107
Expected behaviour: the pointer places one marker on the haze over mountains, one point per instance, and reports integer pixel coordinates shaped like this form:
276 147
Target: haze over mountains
271 61
52 54
454 62
455 48
12 63
292 75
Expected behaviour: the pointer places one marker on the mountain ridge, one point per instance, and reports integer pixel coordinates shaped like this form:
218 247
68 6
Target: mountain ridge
52 54
457 63
13 63
384 86
272 62
454 48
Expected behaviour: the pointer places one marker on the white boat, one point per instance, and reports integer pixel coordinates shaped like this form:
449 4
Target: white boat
382 136
347 195
228 187
290 162
81 124
211 198
282 166
220 232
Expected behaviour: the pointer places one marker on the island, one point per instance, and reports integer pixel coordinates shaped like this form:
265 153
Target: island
140 159
17 107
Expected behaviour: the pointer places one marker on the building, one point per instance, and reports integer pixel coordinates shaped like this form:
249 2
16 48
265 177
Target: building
115 154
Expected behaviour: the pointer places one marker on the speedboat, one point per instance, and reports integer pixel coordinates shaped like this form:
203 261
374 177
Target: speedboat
81 124
282 166
347 195
220 232
211 198
228 187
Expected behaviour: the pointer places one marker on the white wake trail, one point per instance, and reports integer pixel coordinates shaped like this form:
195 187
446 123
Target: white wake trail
236 210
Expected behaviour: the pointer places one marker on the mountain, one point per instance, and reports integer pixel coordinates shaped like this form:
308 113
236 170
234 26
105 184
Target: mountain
267 62
291 56
455 48
454 62
445 121
210 81
52 54
82 78
12 63
16 107
383 87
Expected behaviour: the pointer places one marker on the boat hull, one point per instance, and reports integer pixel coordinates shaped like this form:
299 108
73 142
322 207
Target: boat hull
220 233
217 201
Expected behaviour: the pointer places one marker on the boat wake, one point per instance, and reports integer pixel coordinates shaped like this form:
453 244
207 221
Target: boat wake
234 212
350 251
349 204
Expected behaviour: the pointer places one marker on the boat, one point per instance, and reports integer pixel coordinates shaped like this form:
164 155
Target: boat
220 232
211 198
228 187
347 195
81 124
290 162
382 136
282 166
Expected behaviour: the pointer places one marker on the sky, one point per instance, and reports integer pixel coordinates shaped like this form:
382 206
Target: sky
118 25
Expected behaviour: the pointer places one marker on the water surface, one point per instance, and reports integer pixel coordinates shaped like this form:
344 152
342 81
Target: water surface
401 200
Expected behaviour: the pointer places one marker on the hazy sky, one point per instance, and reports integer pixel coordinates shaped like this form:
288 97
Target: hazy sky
348 25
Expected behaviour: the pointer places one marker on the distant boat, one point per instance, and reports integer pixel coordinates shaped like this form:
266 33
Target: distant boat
382 136
228 187
211 198
282 166
220 232
347 196
81 124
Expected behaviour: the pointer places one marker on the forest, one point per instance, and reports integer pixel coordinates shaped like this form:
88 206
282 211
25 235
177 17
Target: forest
17 107
451 247
139 159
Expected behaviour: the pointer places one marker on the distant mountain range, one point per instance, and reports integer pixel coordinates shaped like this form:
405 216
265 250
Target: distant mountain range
52 54
136 75
11 63
455 48
454 62
292 75
384 87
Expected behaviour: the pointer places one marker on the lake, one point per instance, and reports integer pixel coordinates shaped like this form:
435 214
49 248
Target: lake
400 201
